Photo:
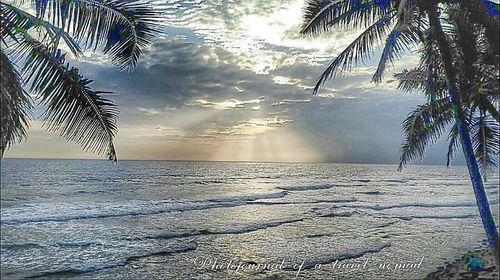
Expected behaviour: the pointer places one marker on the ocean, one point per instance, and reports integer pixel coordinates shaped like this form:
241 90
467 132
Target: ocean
91 219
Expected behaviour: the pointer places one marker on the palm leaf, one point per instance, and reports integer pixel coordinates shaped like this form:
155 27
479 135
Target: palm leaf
422 127
411 80
122 29
73 108
18 21
421 79
453 146
485 140
317 14
359 50
401 38
481 13
15 105
482 101
320 16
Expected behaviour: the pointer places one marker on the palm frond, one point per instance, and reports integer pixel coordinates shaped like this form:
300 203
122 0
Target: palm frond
453 135
423 127
453 146
482 101
73 108
411 80
421 79
15 105
465 36
485 134
481 13
401 38
430 61
317 14
122 29
17 21
320 15
359 50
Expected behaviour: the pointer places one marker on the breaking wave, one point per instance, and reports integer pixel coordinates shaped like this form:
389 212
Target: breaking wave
67 212
75 271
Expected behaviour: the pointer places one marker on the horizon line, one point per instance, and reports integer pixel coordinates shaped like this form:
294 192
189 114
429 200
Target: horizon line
236 161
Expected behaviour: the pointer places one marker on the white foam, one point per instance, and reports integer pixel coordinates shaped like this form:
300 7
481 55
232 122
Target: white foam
60 212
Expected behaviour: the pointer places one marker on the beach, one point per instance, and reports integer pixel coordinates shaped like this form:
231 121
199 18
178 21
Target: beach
458 270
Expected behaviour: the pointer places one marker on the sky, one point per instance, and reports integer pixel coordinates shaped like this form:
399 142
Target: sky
231 80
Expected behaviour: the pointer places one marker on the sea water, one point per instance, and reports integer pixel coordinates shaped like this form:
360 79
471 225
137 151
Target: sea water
225 220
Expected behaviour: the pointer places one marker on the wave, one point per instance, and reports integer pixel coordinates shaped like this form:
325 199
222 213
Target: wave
29 246
307 188
75 271
207 182
25 246
362 180
232 230
338 214
445 217
53 212
371 193
385 224
171 235
318 235
398 181
68 212
250 197
255 227
373 229
402 181
421 205
80 245
340 200
309 264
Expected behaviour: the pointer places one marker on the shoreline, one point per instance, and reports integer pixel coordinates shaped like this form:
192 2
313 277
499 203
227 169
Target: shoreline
458 270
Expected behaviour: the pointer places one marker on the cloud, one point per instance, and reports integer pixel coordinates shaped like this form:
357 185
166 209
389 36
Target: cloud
270 122
239 71
281 80
247 129
288 102
265 34
148 111
228 104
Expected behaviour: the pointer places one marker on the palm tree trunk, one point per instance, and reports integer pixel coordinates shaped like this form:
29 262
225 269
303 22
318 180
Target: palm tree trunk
475 175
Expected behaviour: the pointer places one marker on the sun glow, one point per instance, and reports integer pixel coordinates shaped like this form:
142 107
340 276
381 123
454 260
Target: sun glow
271 145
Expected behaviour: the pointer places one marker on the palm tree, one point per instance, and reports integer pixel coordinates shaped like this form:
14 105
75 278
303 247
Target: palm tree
478 82
34 69
462 87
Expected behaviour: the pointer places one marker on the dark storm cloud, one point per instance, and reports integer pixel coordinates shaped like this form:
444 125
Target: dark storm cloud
176 72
